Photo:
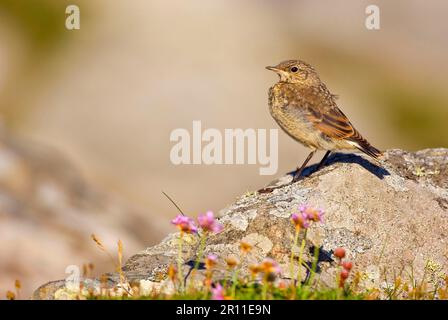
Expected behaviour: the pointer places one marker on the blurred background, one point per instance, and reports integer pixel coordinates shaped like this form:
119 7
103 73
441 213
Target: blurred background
86 114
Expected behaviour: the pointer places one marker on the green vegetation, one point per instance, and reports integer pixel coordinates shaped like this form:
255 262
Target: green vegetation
254 292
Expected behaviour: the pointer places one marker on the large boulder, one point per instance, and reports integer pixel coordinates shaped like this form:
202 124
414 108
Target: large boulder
391 217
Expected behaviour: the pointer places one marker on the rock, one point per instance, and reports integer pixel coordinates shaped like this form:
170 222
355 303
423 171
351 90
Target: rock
391 219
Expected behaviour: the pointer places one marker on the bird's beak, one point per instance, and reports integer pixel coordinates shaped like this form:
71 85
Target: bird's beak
273 69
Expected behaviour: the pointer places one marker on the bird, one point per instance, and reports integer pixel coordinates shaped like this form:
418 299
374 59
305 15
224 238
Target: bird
307 111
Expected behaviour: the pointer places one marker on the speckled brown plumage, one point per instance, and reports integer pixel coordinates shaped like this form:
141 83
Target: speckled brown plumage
307 111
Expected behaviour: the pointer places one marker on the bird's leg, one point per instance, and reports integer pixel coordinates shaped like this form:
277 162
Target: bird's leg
322 162
300 169
296 175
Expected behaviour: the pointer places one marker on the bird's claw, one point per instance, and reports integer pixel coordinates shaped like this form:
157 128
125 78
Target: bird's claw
297 177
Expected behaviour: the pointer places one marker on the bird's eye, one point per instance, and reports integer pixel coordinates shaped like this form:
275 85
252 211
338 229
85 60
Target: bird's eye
294 69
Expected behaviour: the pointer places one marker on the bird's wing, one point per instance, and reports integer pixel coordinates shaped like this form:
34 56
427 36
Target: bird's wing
320 109
330 120
317 105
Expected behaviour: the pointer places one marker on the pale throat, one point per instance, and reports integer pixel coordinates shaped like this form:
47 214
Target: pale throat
288 78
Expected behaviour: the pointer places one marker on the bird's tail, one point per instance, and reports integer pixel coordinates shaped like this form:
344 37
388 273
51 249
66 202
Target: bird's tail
363 145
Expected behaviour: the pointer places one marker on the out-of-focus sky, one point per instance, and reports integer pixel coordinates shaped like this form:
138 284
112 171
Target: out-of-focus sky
108 95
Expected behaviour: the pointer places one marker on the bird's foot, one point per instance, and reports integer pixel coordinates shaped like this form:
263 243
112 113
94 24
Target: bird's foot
297 175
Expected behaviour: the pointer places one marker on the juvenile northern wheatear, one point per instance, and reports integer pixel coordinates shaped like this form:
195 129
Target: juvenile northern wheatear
307 111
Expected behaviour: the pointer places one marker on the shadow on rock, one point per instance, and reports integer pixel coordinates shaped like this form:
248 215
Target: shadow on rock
373 168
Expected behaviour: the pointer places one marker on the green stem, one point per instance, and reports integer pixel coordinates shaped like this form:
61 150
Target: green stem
314 265
225 279
198 260
234 279
206 292
302 248
179 264
265 289
291 260
201 251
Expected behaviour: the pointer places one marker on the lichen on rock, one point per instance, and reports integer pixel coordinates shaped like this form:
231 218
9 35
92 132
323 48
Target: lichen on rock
390 217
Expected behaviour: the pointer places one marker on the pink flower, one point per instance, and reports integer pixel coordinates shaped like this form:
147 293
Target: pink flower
270 266
212 257
312 214
208 223
185 224
300 220
218 292
211 261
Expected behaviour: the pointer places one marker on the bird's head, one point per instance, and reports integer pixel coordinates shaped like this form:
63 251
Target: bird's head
296 71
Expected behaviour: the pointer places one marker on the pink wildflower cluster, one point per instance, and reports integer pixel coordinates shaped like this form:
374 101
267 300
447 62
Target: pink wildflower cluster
185 224
211 261
270 266
207 223
218 292
305 216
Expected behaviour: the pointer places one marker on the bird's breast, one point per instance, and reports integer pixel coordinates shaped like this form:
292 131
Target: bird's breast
291 117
